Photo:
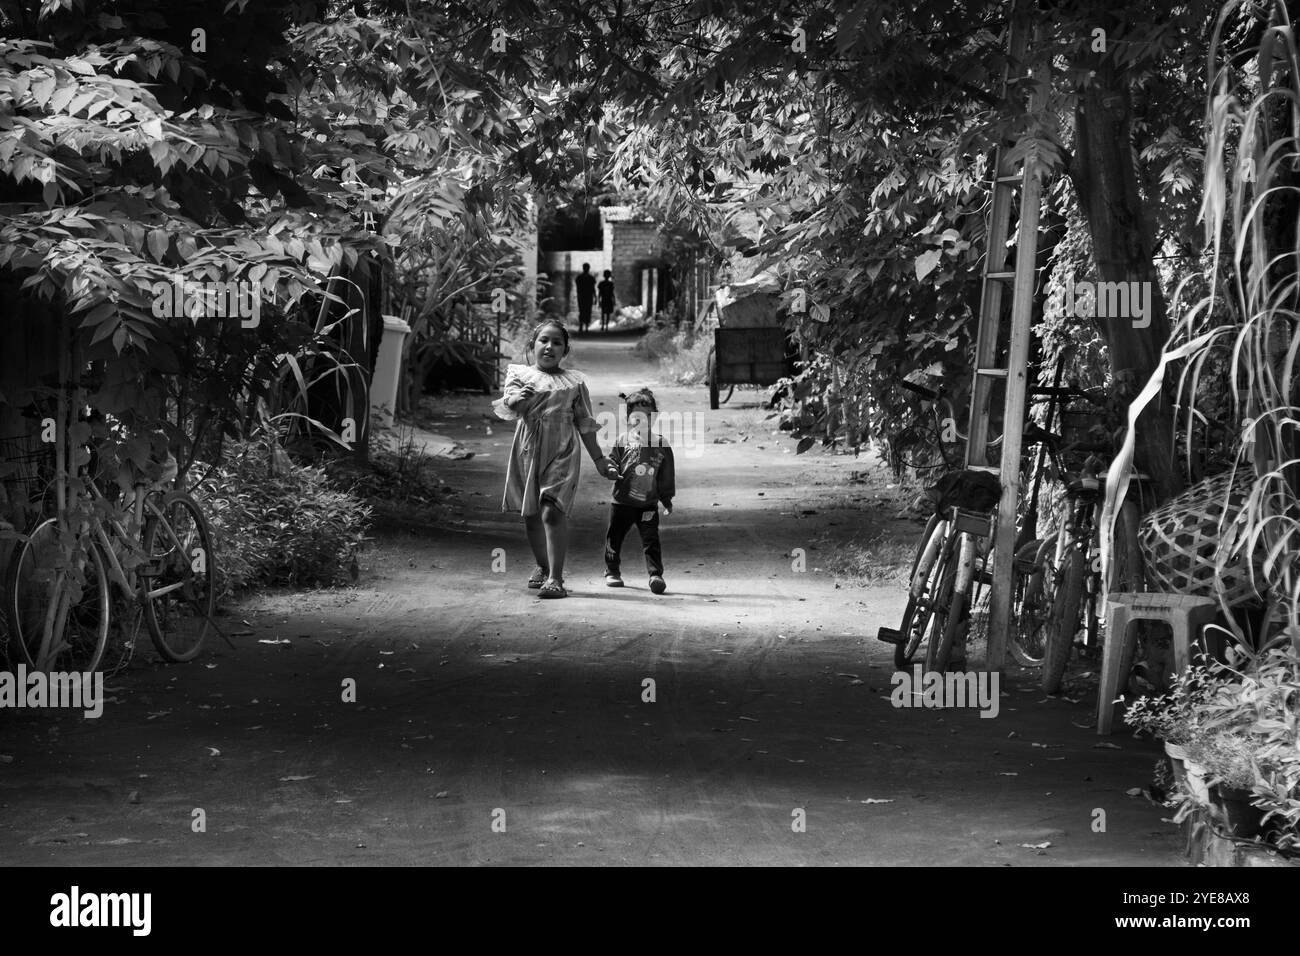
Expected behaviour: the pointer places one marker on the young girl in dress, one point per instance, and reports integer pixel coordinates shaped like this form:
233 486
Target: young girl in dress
553 409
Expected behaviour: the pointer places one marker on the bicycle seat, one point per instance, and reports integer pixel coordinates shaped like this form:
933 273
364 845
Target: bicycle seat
167 472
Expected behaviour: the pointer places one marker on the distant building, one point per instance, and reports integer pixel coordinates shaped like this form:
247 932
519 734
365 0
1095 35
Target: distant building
627 248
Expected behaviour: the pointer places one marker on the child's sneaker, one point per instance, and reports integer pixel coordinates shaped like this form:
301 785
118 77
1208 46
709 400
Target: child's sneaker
657 584
613 579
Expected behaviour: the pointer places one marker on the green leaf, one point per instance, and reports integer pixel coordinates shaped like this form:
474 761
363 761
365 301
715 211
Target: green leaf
926 262
159 240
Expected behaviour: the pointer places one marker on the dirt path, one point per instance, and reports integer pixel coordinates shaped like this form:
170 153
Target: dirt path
477 702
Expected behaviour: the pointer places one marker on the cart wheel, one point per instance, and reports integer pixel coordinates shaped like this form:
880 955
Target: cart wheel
713 379
731 391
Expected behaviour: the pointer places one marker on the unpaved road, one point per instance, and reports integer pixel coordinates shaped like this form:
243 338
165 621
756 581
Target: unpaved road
477 703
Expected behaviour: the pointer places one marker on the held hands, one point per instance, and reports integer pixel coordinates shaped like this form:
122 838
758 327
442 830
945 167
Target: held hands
606 468
668 507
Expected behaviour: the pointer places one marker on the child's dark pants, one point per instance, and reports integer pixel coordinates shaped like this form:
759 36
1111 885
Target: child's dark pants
621 519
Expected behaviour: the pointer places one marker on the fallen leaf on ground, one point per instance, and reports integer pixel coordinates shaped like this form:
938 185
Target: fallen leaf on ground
214 752
1036 846
874 800
295 776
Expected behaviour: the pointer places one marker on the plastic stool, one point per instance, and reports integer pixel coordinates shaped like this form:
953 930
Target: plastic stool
1186 615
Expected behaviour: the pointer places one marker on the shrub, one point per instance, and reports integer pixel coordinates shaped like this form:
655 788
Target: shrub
276 522
398 483
683 357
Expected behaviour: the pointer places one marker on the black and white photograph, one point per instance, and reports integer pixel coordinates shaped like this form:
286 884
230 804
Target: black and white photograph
652 433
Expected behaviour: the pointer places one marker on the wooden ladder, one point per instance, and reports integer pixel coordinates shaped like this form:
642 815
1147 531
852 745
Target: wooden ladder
1006 181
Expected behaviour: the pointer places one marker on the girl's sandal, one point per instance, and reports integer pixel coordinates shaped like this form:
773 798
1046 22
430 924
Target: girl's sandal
538 579
553 589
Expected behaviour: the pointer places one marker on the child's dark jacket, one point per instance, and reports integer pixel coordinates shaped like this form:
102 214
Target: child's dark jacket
646 475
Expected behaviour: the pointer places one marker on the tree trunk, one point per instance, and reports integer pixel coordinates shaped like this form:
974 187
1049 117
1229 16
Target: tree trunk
1123 245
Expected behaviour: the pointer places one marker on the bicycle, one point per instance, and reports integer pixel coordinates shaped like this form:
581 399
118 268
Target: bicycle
950 571
1079 588
59 611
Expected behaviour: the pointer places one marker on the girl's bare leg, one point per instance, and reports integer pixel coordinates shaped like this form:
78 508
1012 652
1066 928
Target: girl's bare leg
556 523
537 541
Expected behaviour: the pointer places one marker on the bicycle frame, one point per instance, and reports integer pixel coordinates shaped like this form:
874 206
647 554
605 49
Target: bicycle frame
126 578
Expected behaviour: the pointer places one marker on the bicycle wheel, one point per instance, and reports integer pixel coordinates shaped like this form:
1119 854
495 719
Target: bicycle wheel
178 580
937 623
1063 624
956 620
918 609
1036 592
1129 573
41 591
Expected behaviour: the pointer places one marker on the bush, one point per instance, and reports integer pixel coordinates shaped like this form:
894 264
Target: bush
683 358
276 522
398 483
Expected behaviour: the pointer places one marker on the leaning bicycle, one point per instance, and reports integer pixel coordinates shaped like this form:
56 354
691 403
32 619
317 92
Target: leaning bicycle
950 582
57 588
1075 562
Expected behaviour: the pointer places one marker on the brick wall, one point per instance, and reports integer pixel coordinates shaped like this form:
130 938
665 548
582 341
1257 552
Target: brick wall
629 242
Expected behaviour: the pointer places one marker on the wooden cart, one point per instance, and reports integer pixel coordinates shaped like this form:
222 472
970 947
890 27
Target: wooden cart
750 343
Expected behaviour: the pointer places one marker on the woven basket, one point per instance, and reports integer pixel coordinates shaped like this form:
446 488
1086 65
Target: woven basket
1181 540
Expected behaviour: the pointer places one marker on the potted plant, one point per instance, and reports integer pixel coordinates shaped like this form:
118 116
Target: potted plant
1228 756
1173 717
1244 733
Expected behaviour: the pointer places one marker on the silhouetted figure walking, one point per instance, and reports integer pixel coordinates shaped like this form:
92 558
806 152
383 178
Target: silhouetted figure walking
585 283
605 292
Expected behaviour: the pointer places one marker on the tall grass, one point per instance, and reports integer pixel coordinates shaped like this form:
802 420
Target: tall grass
1249 314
